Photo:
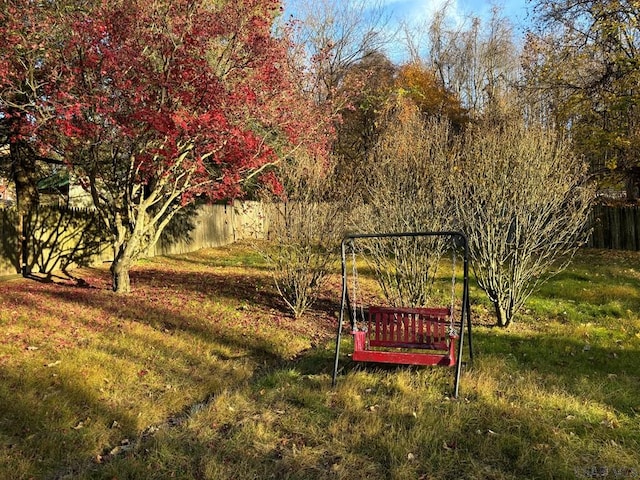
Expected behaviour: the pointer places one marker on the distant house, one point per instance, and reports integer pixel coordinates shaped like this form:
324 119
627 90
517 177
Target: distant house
7 193
60 189
55 189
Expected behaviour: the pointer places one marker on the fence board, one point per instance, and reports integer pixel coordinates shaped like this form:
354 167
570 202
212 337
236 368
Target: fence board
615 228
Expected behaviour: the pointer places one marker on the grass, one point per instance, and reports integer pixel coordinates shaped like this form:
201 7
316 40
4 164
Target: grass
200 373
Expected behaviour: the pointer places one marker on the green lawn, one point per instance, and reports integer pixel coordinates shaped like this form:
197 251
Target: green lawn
200 373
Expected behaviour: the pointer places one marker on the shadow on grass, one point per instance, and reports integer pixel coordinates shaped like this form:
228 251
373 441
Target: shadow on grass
308 437
230 328
233 288
231 320
249 294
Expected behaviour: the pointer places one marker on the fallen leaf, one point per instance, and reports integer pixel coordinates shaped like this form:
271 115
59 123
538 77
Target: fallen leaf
609 423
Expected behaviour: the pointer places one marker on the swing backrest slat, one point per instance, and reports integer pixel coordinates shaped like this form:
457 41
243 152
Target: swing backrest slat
423 328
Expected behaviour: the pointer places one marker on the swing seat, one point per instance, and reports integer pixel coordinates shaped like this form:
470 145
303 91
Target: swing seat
408 336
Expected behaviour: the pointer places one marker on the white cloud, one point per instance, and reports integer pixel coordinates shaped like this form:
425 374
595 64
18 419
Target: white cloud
421 11
416 16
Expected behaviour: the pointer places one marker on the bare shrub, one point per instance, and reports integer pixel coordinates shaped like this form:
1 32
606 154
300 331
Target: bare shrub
405 191
523 199
304 233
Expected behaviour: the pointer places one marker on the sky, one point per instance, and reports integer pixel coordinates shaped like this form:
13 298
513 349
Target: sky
418 12
516 10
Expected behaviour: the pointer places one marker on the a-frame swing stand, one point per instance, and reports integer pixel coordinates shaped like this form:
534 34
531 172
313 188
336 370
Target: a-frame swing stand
408 335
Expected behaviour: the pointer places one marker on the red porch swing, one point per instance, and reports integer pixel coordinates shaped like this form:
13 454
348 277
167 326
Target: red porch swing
408 335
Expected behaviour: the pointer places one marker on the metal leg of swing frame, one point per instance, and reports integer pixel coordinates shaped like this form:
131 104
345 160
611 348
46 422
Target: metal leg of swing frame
466 317
337 357
469 332
456 382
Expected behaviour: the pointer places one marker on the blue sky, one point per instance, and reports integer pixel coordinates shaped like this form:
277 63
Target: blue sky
419 10
516 10
417 13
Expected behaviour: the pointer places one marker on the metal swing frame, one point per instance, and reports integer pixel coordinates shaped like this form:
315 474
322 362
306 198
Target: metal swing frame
417 323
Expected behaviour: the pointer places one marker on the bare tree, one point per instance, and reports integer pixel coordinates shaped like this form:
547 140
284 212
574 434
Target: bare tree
338 35
523 199
406 192
304 232
474 58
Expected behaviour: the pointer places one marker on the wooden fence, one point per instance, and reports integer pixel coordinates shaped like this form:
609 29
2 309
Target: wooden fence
69 237
62 238
616 228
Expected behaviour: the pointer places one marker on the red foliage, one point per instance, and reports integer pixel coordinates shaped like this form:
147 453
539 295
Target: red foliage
28 67
155 104
185 87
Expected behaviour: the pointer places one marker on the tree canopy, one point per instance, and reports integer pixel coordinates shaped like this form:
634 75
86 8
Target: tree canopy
155 104
584 63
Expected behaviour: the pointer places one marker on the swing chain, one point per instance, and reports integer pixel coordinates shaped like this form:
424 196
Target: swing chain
354 274
356 287
452 328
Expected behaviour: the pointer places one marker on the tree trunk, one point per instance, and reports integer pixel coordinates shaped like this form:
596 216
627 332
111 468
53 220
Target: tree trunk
121 283
23 240
25 177
127 248
632 184
503 315
20 244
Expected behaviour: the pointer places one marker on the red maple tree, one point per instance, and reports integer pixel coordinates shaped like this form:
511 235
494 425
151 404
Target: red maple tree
31 34
164 102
